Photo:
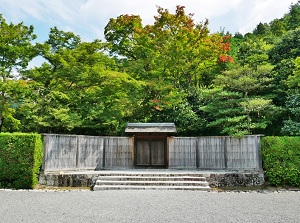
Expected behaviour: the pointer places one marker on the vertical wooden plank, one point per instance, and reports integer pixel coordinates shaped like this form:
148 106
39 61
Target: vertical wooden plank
225 152
157 153
109 152
258 153
170 149
143 152
45 154
201 153
233 153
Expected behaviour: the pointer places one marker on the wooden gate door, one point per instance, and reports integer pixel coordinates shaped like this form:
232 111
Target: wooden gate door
150 153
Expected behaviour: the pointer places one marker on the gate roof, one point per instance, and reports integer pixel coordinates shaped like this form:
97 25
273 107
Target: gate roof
150 128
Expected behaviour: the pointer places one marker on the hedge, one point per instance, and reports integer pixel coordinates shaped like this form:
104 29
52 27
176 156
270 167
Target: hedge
281 160
20 160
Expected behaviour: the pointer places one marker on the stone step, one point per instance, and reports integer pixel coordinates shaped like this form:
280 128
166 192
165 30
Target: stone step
150 181
132 187
151 178
153 183
140 174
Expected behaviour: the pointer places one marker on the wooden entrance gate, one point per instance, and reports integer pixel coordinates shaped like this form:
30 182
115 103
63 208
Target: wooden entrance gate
150 143
150 153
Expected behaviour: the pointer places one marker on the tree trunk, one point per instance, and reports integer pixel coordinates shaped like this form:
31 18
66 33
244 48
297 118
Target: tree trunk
1 123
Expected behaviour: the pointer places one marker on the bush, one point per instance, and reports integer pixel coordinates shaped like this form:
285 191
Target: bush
281 160
20 160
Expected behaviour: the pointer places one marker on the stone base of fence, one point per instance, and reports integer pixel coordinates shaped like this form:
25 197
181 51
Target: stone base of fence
237 179
216 178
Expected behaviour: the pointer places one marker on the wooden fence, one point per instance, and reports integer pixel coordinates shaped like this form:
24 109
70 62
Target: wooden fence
215 152
70 152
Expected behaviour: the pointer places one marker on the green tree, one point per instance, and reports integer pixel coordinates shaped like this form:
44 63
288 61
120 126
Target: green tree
277 27
16 50
292 124
226 114
253 51
292 19
293 80
262 29
283 56
174 48
292 104
121 34
238 103
286 48
78 89
172 56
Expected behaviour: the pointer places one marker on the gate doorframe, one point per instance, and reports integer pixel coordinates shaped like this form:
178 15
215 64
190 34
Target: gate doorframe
149 137
151 131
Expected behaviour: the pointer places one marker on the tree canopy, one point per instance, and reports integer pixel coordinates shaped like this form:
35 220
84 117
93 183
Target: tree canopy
174 70
16 50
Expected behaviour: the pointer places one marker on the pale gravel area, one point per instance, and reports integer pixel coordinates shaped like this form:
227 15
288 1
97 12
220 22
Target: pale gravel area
148 206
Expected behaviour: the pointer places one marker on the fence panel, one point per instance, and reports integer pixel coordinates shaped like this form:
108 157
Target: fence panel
243 153
118 152
211 153
70 152
215 152
90 152
182 152
60 152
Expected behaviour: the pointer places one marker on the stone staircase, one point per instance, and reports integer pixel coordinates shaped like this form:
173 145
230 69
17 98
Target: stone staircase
151 181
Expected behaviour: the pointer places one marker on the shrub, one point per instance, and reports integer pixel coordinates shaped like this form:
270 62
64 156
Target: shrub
20 160
281 160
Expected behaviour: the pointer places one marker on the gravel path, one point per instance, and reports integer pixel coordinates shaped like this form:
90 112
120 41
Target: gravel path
147 206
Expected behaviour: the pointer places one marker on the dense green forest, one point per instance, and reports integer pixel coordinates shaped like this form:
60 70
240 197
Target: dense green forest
174 70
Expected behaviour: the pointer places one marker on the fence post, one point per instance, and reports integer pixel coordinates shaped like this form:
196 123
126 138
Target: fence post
258 147
225 152
77 152
197 154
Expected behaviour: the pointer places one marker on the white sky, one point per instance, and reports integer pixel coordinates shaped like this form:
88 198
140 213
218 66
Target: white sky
87 18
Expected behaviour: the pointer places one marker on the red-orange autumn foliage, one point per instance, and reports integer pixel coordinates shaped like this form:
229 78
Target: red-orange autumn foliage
174 50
